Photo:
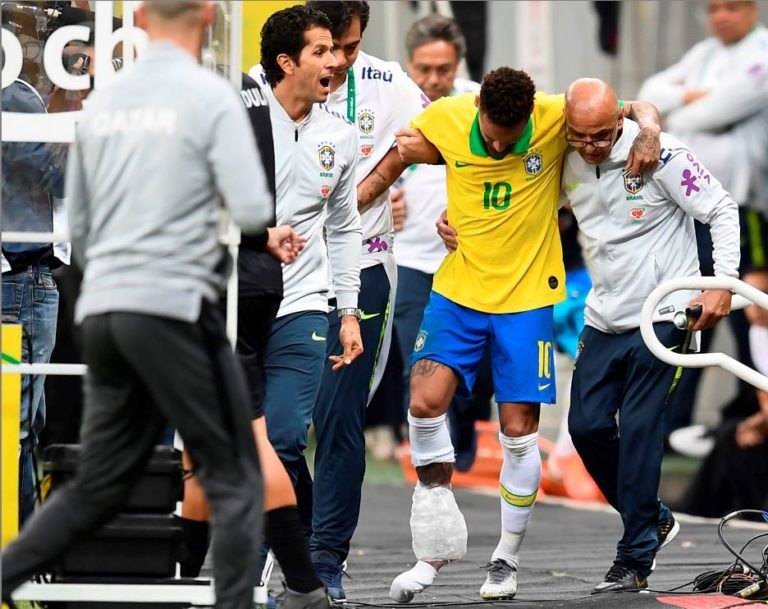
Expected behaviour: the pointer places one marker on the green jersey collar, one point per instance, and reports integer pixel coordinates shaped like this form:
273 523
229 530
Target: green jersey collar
477 143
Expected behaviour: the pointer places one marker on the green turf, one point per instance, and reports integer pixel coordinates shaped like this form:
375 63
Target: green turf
376 472
679 465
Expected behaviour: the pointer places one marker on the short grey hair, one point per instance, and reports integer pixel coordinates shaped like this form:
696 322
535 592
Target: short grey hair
432 28
172 9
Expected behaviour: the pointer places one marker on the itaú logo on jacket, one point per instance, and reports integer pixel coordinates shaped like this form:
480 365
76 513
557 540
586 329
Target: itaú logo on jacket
60 126
369 73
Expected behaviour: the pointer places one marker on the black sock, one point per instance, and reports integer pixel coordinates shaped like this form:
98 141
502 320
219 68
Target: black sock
194 546
284 533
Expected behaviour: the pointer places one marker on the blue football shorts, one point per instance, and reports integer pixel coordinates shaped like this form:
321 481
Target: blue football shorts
520 348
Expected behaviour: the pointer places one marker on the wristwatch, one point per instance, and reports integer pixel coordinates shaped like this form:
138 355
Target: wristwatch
349 311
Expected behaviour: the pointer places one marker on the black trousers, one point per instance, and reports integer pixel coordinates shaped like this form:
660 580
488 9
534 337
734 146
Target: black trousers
142 371
255 317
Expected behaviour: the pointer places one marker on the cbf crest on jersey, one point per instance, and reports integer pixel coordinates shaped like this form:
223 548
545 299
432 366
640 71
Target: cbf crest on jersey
366 121
366 124
633 184
326 154
533 163
421 340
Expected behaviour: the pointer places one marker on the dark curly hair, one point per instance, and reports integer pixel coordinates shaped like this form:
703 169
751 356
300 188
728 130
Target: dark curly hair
341 13
284 32
506 96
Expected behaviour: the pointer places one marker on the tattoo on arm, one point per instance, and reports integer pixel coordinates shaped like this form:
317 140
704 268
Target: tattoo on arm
426 367
646 115
435 474
373 185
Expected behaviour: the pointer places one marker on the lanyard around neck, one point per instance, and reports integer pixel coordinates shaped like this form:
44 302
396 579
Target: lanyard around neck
351 95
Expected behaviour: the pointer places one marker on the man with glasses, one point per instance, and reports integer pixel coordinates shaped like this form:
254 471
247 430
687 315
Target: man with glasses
638 232
503 151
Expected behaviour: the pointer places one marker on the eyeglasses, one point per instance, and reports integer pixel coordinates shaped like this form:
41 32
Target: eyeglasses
584 143
599 144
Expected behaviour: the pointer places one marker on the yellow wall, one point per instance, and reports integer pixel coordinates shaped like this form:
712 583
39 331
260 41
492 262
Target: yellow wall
255 13
9 456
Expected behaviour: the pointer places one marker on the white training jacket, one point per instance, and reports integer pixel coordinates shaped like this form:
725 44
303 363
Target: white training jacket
386 100
727 128
638 231
418 244
315 163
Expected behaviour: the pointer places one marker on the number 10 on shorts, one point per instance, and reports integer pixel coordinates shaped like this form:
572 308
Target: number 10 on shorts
545 348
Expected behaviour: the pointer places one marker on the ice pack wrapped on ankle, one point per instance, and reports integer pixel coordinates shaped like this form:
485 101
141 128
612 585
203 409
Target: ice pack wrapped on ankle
437 526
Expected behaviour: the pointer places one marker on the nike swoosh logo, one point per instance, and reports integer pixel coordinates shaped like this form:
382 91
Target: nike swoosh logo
672 348
543 387
460 164
364 315
317 337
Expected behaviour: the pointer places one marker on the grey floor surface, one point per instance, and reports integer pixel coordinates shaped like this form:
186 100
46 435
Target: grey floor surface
566 552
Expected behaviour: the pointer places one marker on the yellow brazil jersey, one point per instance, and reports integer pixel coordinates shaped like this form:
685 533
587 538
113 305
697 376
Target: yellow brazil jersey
509 257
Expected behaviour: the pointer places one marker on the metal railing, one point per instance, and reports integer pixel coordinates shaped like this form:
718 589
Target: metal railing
230 238
744 295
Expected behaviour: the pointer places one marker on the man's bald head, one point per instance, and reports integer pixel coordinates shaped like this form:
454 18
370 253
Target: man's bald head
592 117
590 100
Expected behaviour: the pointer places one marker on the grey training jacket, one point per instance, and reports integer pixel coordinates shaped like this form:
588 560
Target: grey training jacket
156 151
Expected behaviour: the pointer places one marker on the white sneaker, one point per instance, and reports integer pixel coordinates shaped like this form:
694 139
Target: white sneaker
501 582
695 441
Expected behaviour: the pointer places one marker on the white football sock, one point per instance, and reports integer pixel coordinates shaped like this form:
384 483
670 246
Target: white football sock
518 485
430 440
413 581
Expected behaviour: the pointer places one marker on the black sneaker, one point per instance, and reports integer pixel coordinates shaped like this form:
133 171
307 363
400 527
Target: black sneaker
666 531
317 599
621 576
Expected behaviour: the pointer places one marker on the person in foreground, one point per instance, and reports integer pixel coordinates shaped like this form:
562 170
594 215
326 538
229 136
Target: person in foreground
638 232
154 342
503 152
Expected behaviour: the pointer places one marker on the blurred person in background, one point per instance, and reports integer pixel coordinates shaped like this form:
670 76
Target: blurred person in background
472 19
734 474
716 100
33 191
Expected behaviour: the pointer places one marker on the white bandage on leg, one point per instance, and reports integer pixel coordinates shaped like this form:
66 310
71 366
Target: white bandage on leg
518 485
430 440
438 529
413 581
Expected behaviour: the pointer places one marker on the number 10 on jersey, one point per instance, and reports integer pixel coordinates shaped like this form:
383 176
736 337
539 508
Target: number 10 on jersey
497 195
